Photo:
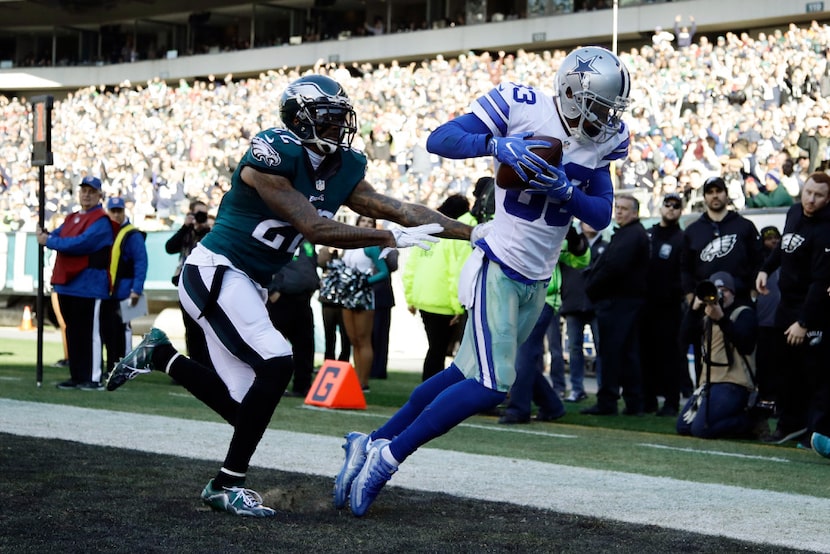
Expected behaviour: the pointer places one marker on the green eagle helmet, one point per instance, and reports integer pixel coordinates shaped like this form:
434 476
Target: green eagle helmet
318 111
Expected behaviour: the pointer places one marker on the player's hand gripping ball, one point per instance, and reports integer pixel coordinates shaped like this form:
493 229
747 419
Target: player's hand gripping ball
506 176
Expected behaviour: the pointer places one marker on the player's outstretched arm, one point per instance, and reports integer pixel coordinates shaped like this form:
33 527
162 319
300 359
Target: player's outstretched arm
466 136
366 201
291 206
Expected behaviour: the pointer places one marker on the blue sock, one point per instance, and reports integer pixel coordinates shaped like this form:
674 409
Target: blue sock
452 406
418 400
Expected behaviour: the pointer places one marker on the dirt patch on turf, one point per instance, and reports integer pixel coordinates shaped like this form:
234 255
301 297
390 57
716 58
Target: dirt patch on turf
64 496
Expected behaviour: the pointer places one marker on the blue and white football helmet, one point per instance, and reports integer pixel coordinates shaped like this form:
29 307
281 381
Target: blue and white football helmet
318 111
592 88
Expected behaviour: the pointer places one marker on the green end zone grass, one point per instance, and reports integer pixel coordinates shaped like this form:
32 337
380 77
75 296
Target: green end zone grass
644 445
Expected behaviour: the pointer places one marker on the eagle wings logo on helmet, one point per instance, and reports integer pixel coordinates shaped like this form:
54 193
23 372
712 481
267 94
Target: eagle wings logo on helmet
262 151
305 91
790 242
718 248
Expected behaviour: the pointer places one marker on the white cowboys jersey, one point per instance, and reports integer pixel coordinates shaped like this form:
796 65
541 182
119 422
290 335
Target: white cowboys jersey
517 237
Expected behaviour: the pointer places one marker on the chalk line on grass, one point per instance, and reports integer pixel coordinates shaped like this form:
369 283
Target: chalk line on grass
760 516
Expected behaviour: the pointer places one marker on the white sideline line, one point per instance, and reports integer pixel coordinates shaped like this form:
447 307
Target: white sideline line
515 429
510 429
717 453
759 516
357 413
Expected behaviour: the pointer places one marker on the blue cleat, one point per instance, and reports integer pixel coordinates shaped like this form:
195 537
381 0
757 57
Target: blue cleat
355 447
138 361
375 473
821 444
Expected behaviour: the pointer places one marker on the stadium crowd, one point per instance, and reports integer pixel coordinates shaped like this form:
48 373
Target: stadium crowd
735 120
748 108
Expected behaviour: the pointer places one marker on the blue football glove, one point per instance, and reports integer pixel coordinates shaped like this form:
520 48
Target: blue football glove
554 183
515 151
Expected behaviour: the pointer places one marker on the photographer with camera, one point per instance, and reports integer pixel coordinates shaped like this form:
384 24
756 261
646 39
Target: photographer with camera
719 240
196 225
726 333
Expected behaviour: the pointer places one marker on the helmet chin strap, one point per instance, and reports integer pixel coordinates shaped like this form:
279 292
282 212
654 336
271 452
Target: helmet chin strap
325 146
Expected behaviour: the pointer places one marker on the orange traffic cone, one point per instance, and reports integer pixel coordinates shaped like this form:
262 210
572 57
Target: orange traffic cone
26 324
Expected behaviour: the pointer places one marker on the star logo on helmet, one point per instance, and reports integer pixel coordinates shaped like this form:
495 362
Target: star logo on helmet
584 66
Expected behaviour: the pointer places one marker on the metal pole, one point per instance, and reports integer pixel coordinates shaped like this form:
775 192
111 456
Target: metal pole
616 15
41 157
388 25
41 217
252 38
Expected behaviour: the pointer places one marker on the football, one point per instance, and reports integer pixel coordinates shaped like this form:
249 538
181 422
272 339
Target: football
507 178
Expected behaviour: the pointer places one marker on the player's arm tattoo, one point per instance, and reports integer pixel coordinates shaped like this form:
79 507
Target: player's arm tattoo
366 201
291 206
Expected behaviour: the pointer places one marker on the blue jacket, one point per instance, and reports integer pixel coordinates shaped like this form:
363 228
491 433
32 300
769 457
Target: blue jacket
131 263
93 280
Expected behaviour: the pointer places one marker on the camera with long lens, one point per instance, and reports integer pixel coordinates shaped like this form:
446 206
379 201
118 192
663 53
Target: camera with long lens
200 217
708 292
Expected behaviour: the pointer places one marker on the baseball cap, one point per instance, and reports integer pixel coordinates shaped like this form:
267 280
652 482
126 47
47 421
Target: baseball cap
714 182
770 231
672 196
116 203
723 279
90 181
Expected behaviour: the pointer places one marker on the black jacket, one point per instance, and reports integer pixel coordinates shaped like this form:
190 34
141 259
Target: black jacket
732 245
804 259
621 271
299 276
574 298
384 295
183 241
665 244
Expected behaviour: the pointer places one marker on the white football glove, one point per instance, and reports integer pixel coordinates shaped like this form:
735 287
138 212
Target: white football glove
419 236
480 231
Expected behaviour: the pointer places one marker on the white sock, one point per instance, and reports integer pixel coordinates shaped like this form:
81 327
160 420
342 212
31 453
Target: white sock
173 359
386 454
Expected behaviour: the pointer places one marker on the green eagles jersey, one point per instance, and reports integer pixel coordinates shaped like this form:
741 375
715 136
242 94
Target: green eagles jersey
249 234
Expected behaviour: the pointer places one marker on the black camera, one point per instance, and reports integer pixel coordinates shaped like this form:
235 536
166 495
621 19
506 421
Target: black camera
200 217
708 292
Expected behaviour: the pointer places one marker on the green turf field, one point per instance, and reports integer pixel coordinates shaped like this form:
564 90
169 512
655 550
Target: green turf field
644 445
